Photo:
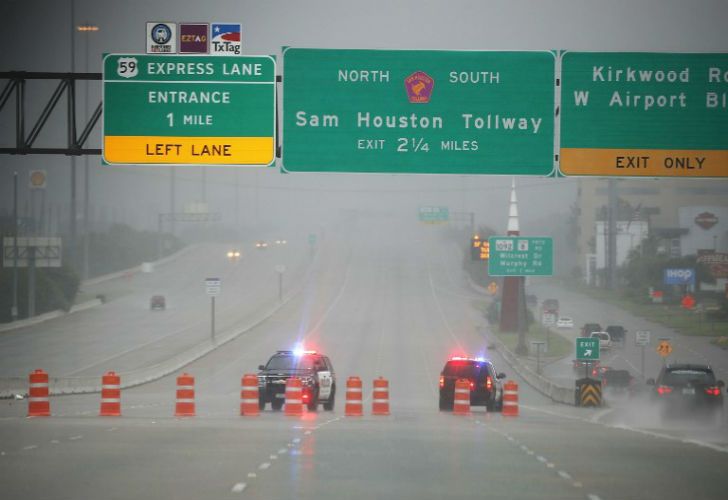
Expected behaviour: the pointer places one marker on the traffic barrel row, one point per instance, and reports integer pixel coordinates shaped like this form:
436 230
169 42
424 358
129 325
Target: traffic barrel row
39 400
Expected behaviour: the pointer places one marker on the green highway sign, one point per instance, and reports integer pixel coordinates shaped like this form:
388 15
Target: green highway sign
434 215
212 110
642 114
520 256
587 349
418 111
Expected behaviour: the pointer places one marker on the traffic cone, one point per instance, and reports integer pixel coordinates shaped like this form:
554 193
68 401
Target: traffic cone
185 406
461 402
39 404
510 399
380 398
249 397
294 404
110 395
353 398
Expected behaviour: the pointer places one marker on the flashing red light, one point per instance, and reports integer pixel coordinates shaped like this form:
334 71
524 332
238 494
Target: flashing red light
442 381
488 383
712 391
663 390
472 385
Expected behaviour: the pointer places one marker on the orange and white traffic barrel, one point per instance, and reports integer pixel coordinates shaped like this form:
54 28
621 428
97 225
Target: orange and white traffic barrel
510 399
39 404
380 398
461 401
185 406
294 397
353 406
110 395
249 397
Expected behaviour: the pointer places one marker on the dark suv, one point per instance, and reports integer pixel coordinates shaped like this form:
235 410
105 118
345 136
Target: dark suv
315 371
485 383
684 389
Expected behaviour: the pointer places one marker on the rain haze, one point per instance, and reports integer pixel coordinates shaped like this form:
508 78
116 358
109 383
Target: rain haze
356 260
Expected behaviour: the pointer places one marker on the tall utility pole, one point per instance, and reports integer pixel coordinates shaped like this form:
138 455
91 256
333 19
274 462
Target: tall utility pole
172 203
72 133
86 28
14 308
612 235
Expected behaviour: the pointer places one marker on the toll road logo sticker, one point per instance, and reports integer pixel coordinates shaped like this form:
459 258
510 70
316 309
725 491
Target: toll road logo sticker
193 38
161 38
419 87
225 39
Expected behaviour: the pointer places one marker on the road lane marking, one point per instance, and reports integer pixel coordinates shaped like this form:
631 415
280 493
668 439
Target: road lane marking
273 457
296 440
564 475
541 459
593 497
30 447
75 438
55 441
282 451
252 475
264 465
239 487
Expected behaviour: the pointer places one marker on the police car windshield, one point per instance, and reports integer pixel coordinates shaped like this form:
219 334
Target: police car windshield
290 363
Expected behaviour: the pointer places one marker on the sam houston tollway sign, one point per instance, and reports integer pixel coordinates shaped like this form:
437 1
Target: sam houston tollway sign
189 109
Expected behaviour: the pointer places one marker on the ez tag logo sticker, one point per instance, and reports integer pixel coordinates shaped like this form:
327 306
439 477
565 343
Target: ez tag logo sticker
127 67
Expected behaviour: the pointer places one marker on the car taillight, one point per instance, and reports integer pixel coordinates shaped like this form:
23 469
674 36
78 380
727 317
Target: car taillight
472 385
442 381
488 383
664 389
712 391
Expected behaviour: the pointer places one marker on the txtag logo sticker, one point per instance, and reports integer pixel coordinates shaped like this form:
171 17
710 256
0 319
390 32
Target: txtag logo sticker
225 39
161 38
419 87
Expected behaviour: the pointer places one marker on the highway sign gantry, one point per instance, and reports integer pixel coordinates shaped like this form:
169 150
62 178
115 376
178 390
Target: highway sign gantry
587 349
418 111
520 256
207 110
644 114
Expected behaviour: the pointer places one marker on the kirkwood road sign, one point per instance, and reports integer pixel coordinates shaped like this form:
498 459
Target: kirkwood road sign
642 114
164 109
418 111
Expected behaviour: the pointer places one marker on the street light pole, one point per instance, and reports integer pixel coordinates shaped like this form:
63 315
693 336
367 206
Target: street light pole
14 309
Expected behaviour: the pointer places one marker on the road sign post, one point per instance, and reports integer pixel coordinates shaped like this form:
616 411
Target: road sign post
643 114
206 110
520 256
642 339
212 287
418 111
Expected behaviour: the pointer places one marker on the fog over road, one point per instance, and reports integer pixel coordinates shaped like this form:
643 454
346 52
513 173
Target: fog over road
382 297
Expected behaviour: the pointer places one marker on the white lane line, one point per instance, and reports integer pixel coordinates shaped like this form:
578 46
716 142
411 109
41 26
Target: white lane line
282 451
75 438
30 447
296 440
577 484
550 465
524 448
264 466
541 459
239 487
252 475
592 496
55 441
564 475
112 429
273 457
307 433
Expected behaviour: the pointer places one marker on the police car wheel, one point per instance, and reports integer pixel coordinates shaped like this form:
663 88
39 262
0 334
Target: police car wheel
329 405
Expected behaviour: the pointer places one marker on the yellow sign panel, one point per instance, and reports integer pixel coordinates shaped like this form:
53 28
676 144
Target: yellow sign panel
190 150
493 288
644 162
664 348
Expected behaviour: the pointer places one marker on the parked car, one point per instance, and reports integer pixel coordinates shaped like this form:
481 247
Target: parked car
157 303
565 322
605 341
617 333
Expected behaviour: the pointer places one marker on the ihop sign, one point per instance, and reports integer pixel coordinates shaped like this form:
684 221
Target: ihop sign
679 277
